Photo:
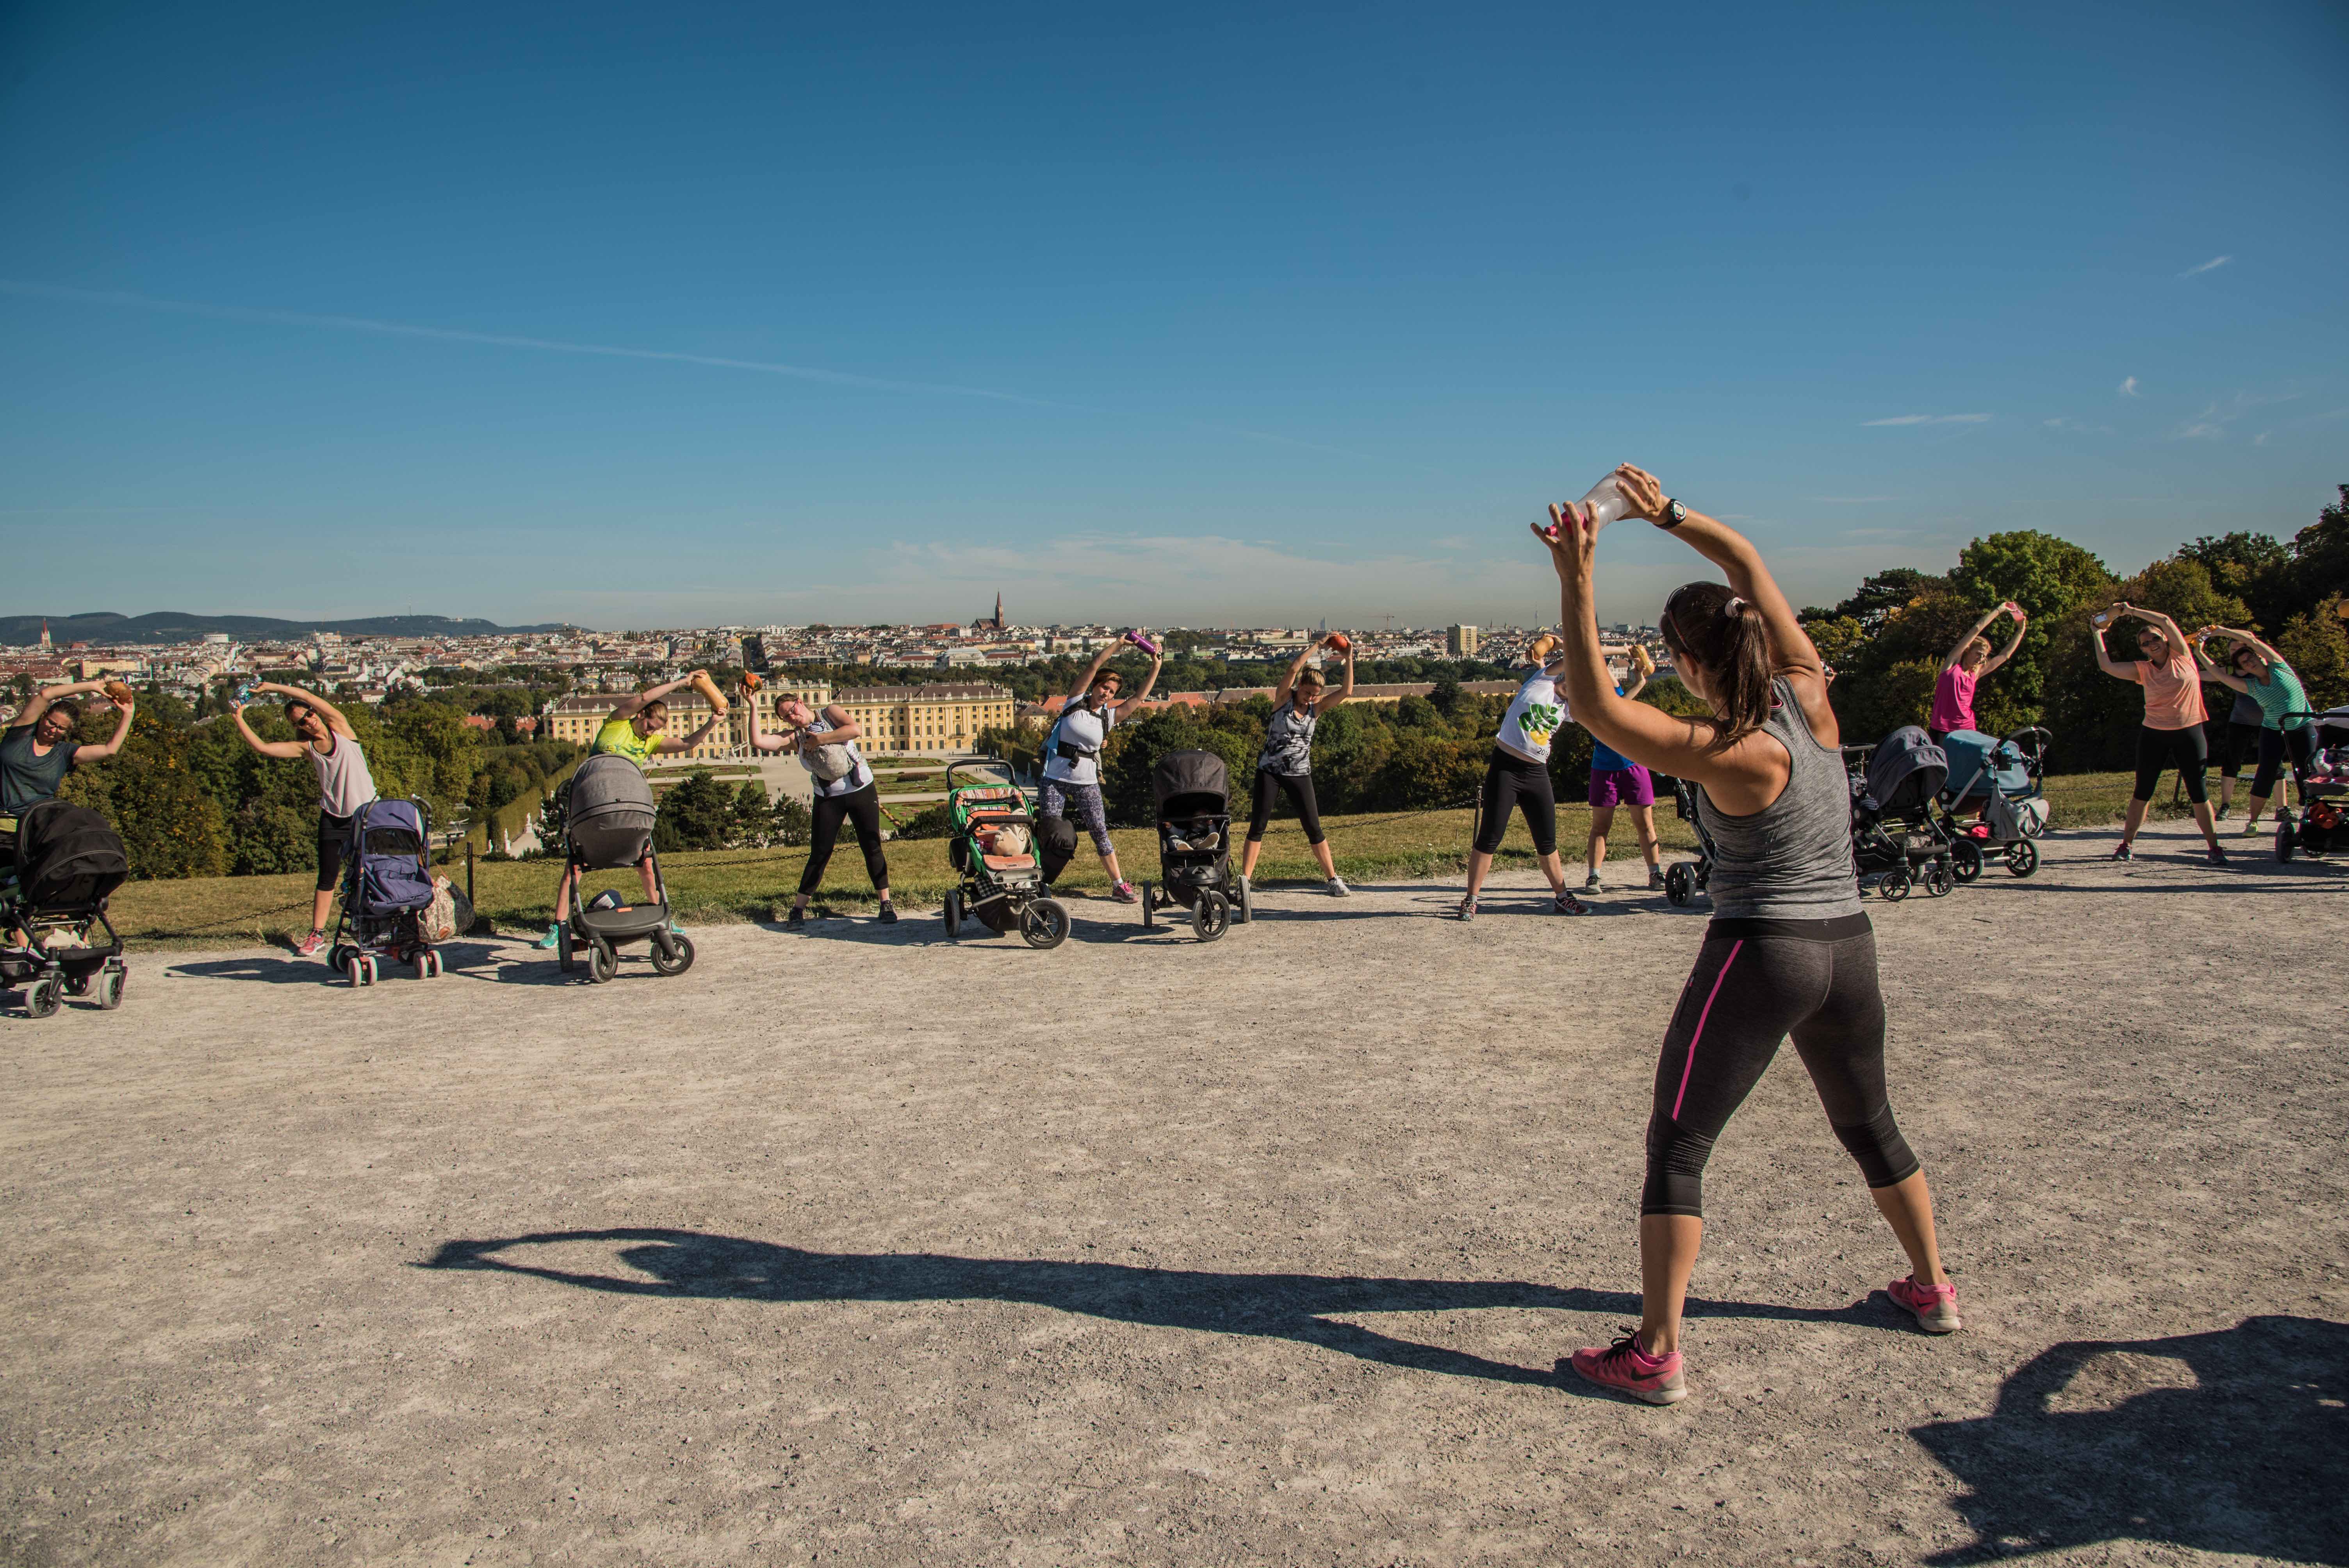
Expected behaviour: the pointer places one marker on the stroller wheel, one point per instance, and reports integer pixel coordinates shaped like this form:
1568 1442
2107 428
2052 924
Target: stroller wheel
953 917
1243 906
1679 883
2286 841
673 957
352 971
1211 917
2023 857
1044 924
1895 885
1965 859
44 997
109 991
1939 880
369 968
1149 906
603 960
424 963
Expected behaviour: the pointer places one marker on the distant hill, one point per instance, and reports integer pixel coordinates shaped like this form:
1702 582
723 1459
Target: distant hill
177 627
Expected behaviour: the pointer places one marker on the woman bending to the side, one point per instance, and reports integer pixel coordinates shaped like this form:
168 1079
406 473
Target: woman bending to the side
1789 950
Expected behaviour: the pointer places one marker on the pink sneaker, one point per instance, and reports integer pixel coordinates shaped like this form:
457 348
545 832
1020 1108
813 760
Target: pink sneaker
309 945
1624 1366
1935 1306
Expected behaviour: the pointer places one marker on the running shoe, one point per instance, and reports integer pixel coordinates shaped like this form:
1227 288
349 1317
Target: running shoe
2220 814
2250 830
2218 856
797 918
1123 894
553 937
1935 1306
2123 854
1467 909
1629 1369
1655 879
1591 883
888 912
1567 903
1338 889
309 946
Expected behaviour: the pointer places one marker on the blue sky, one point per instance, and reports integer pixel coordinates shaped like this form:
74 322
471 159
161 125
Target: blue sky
631 315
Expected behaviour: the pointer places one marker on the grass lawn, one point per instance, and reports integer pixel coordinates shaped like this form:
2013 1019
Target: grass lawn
755 884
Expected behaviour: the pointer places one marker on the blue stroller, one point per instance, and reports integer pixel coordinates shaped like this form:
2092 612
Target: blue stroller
1898 844
387 886
2004 777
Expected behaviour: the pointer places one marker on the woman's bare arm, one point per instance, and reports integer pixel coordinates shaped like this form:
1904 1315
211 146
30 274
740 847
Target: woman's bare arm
283 749
326 710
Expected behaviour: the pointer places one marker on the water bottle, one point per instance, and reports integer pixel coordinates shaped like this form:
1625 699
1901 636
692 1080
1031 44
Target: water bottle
1142 640
1604 504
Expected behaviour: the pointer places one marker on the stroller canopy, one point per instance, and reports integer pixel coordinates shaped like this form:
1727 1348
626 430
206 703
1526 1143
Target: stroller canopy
1191 781
1978 761
612 812
387 873
1905 773
68 855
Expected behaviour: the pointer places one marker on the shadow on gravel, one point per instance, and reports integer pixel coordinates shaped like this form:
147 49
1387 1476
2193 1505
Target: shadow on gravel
2235 1441
690 1263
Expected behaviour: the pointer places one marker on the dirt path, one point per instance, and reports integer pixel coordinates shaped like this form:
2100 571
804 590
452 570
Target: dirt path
858 1246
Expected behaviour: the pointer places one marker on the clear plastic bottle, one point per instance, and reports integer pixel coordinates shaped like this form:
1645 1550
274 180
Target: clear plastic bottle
1604 504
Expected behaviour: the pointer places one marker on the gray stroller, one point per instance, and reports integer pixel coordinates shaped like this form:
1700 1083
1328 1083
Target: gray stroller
609 827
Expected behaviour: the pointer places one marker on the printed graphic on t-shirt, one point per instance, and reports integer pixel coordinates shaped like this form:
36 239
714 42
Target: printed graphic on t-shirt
1540 721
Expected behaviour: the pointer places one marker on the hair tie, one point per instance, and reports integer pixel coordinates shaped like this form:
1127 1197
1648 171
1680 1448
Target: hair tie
1734 605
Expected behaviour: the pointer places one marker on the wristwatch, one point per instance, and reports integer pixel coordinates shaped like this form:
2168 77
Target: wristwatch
1674 514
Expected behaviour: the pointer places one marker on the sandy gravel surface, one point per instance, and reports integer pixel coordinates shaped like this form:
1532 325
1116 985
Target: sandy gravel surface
856 1246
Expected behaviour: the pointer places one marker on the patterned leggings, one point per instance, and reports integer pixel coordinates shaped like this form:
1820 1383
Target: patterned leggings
1082 801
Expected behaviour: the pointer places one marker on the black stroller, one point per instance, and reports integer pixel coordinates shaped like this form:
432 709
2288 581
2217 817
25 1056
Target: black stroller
2322 827
1684 880
387 886
69 860
1897 839
1193 793
609 827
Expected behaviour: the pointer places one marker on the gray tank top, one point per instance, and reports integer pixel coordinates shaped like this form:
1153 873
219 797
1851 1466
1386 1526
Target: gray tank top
1791 859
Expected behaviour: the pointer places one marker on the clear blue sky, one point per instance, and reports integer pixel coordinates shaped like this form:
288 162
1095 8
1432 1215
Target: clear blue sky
1192 315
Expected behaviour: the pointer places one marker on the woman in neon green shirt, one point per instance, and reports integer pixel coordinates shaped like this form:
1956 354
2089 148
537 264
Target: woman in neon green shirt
633 730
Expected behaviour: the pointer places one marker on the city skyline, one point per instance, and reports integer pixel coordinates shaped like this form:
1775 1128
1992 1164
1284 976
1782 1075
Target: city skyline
734 318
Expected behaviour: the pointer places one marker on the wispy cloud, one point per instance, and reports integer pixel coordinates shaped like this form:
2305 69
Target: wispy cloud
542 345
2070 426
2212 265
1851 500
2128 386
1926 419
2262 438
2211 423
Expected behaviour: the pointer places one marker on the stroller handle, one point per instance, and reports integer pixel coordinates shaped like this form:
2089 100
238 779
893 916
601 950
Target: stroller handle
982 764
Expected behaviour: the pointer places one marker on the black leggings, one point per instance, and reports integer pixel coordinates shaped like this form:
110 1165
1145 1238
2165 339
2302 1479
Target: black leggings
1513 780
864 807
2242 742
334 840
2185 749
2274 745
1756 981
1299 788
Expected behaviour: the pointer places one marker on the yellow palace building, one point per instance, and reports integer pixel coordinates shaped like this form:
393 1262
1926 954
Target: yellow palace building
940 720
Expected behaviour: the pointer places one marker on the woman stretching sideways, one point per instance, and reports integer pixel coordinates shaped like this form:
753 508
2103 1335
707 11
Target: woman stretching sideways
1953 688
326 738
845 791
1286 766
1789 949
2171 674
2257 671
1517 775
1072 770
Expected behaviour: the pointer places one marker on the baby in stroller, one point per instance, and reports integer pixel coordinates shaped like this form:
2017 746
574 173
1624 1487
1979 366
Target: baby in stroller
68 860
609 827
387 886
1896 843
1192 791
2002 778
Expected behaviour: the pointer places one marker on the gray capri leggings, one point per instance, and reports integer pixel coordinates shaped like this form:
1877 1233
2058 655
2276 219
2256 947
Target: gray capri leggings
1755 982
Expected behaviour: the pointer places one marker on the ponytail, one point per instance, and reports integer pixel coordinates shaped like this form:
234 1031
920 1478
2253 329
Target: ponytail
1706 622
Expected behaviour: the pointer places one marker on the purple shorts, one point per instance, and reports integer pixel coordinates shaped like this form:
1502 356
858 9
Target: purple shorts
1622 787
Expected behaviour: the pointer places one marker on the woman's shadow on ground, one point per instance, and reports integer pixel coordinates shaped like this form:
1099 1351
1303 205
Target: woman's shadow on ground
2234 1442
689 1263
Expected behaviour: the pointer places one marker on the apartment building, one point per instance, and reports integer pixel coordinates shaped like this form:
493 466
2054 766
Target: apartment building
577 718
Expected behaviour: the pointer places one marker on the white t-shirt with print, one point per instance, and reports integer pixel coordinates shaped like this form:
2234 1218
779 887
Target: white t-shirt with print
1534 714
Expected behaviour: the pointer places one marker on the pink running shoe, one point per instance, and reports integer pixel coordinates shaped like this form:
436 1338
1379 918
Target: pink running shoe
1935 1306
309 946
1629 1369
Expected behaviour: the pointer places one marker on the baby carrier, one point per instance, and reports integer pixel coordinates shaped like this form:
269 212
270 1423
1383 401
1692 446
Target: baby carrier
1896 842
1193 793
387 886
2002 777
69 860
609 827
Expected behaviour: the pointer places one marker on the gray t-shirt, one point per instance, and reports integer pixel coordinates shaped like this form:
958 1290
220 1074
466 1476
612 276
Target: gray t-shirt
27 778
1086 730
1791 859
1288 741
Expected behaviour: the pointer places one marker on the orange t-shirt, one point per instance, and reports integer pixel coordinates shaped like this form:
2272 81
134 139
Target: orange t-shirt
2173 693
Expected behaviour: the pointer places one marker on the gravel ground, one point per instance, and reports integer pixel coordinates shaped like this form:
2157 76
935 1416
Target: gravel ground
857 1246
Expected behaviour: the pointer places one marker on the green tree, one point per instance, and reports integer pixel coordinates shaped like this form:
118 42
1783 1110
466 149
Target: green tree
792 823
2050 578
2315 643
696 812
170 826
754 819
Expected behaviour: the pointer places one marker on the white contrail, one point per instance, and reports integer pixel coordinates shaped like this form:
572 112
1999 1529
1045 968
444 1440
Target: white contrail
508 340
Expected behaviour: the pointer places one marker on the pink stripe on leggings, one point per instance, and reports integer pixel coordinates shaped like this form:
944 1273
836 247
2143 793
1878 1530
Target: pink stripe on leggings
1689 1065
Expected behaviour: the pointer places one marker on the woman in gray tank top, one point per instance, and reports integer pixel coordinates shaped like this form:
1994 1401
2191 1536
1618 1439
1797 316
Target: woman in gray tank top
1789 950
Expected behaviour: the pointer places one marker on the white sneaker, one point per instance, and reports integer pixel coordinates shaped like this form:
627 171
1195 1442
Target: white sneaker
1337 888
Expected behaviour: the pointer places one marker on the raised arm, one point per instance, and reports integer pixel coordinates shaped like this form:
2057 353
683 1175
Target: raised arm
1148 681
1642 666
2211 670
2250 639
1296 668
1958 652
671 745
49 697
1085 681
84 755
2178 646
2105 660
1346 689
760 739
630 706
843 728
285 750
1743 775
326 710
2022 624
